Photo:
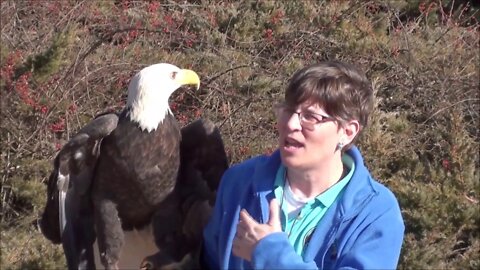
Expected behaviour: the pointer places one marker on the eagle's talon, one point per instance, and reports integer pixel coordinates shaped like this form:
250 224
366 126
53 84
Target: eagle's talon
146 265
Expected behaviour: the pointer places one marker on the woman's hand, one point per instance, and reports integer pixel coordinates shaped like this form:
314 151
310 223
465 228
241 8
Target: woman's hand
250 232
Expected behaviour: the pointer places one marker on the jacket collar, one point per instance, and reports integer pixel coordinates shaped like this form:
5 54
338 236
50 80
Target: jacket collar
265 172
359 189
356 192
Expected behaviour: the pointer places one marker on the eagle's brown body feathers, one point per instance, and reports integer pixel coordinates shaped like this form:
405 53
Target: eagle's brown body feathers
146 166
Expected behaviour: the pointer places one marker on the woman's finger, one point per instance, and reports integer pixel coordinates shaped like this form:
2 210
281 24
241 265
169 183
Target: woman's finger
246 218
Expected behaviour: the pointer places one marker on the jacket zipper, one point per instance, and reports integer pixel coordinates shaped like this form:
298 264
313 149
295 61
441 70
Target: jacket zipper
332 239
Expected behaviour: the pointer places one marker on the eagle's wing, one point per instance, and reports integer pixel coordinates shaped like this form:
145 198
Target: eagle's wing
203 155
202 163
179 223
68 216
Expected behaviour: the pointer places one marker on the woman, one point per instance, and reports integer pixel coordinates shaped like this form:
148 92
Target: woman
312 204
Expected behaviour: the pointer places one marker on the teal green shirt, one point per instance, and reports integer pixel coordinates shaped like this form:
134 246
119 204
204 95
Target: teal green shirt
300 228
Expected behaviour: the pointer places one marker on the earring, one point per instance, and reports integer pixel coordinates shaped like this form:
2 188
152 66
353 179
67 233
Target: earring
340 145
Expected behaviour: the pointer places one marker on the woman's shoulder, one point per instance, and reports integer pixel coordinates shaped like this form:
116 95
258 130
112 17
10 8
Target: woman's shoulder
383 192
383 203
366 184
247 168
252 162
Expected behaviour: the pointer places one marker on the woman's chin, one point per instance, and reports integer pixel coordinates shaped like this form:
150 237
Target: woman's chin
292 156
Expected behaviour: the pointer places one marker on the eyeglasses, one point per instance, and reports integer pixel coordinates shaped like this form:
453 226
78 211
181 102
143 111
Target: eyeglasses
308 120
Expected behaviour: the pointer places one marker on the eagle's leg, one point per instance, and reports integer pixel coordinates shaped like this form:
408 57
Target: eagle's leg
167 225
109 232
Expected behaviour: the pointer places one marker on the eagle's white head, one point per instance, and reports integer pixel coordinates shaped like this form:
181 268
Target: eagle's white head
150 89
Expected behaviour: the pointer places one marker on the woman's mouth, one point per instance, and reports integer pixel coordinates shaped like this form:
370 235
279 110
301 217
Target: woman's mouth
292 144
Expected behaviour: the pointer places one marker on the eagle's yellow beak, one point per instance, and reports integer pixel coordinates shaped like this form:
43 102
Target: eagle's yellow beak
188 77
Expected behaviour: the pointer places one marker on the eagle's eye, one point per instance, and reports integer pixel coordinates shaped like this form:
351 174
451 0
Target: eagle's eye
173 75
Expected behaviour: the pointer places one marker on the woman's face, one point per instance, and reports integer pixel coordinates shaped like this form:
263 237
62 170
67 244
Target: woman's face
303 145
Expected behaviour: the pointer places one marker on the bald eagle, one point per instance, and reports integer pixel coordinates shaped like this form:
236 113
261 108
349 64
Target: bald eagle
135 182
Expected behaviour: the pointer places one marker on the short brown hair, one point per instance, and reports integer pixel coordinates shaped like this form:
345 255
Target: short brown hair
341 89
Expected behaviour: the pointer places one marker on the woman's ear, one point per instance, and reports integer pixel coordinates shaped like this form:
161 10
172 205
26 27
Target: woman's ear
350 130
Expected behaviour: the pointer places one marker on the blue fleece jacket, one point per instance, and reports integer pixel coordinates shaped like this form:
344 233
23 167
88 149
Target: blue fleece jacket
362 230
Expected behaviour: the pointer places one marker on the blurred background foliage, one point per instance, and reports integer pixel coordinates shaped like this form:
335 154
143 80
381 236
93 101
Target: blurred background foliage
63 62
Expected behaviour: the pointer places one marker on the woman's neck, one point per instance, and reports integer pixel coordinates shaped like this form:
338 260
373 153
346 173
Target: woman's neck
311 183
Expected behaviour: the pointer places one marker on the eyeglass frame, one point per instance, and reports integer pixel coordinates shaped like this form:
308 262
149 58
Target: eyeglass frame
283 108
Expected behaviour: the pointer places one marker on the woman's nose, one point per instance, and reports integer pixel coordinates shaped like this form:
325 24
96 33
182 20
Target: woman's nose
293 123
